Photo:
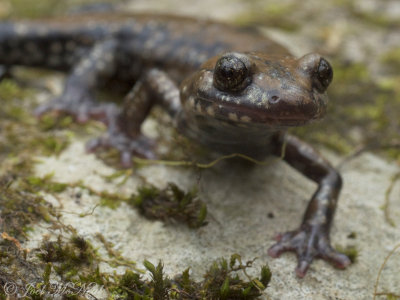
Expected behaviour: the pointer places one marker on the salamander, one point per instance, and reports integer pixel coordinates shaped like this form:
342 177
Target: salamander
230 89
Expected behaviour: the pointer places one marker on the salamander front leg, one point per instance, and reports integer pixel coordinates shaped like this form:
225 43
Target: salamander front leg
311 239
124 127
77 97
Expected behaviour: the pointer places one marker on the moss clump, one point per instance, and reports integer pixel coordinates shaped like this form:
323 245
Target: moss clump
20 207
350 251
170 204
72 259
222 281
46 184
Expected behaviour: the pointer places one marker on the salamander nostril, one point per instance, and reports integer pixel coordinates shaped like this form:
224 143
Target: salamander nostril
274 99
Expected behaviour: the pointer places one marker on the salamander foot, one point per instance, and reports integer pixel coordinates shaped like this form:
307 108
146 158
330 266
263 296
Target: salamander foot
128 147
308 242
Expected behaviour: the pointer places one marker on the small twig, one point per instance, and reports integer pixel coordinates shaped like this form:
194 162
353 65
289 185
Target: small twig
381 269
142 161
365 148
388 219
388 294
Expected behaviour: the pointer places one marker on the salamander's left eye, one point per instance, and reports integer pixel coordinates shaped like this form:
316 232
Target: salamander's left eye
231 73
324 73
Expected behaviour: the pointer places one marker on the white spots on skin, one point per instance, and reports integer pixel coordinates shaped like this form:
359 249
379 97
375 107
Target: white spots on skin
198 108
172 94
233 117
100 65
264 100
108 57
42 31
184 88
210 111
226 98
21 29
318 219
191 102
79 71
153 40
83 67
324 202
97 52
86 63
149 44
304 148
245 119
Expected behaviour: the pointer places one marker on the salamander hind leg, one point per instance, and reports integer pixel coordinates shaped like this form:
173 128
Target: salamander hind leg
311 239
77 97
124 126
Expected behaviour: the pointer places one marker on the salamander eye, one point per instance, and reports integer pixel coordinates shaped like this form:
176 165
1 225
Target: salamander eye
324 74
231 73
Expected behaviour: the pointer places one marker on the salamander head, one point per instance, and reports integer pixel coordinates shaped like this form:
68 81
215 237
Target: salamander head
258 88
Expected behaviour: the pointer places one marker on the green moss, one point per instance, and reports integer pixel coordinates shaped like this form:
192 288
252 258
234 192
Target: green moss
9 90
170 204
391 60
49 122
20 206
43 8
350 251
159 286
20 137
222 281
276 15
35 9
46 184
352 235
376 19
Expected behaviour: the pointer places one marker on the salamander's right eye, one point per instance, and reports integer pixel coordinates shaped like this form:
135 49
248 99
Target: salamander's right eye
231 73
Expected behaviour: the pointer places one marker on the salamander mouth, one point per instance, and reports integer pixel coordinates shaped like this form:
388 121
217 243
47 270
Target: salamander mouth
276 116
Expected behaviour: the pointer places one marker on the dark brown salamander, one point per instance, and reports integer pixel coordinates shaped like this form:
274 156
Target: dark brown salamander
238 93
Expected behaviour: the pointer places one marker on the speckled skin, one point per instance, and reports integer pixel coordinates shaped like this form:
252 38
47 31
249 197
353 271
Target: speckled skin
239 91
